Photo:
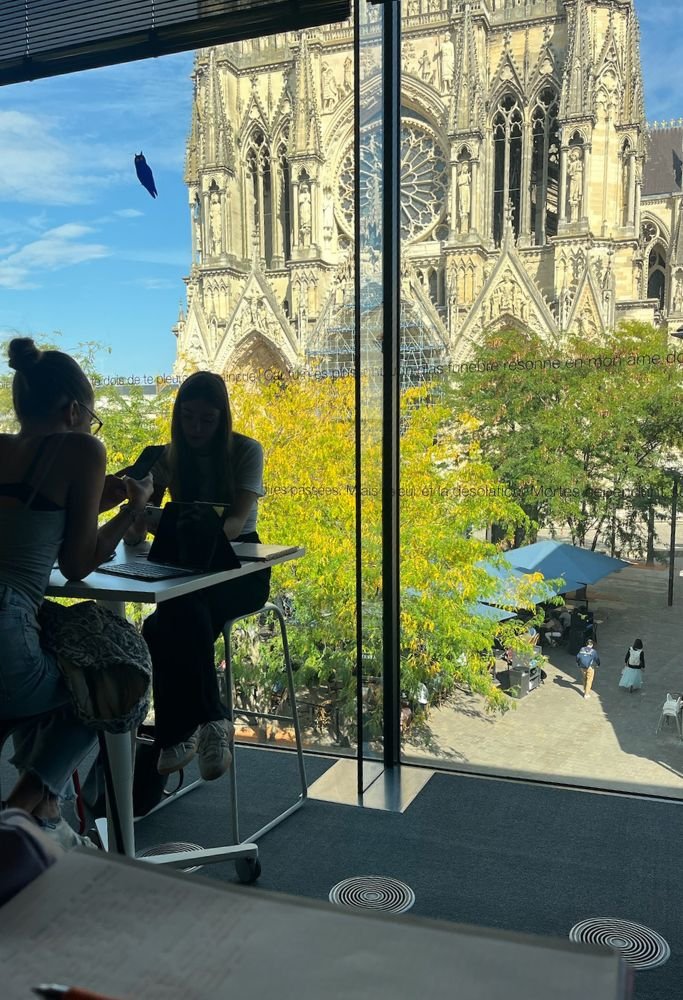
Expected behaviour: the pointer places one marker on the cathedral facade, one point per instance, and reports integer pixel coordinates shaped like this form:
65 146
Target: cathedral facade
533 192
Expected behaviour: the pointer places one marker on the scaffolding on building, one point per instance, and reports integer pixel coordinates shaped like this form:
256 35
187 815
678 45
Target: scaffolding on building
423 351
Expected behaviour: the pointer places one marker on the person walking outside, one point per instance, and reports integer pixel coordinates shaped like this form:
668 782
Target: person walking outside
632 674
587 658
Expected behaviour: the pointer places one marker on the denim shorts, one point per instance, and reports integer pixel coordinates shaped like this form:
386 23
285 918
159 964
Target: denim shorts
53 742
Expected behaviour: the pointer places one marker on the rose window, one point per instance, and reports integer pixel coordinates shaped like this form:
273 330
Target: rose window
424 182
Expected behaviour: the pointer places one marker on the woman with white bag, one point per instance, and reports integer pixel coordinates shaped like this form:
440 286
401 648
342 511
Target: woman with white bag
634 664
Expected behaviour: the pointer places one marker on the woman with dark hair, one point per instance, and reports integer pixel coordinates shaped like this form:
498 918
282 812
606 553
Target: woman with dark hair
205 461
634 664
53 488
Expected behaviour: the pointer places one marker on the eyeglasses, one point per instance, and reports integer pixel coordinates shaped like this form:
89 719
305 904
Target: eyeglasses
95 422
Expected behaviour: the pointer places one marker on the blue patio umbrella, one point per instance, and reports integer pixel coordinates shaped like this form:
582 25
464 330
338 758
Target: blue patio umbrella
579 567
482 610
508 576
487 611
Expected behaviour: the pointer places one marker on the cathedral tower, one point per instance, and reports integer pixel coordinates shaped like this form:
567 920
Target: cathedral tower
525 187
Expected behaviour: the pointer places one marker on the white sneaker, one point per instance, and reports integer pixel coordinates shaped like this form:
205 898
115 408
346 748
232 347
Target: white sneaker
214 752
63 834
177 757
586 695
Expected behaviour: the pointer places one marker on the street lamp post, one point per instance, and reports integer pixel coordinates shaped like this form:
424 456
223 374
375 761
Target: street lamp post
675 476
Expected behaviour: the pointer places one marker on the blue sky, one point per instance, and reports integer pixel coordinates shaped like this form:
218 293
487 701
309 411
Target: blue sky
86 251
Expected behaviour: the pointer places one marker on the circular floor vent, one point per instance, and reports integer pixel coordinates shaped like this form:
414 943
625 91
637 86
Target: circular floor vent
370 892
640 947
172 848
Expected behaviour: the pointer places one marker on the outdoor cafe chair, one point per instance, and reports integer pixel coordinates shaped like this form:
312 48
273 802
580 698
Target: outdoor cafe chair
671 709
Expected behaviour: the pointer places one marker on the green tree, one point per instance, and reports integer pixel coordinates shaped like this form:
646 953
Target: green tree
579 431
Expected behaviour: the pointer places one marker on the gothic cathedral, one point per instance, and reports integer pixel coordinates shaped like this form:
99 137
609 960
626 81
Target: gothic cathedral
533 192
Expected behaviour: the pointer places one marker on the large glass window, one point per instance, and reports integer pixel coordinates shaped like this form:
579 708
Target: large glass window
507 146
545 166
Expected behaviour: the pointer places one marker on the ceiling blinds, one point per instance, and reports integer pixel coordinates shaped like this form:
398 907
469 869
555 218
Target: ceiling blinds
41 38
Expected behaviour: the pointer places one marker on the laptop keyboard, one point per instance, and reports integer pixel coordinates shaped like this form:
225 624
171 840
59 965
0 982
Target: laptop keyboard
144 571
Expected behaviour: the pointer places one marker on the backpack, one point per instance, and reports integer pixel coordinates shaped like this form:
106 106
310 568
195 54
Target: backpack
634 657
586 658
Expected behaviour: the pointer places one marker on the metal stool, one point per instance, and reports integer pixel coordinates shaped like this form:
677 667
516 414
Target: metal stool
248 870
229 684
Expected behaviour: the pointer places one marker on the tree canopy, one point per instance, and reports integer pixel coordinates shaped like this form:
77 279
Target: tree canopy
582 431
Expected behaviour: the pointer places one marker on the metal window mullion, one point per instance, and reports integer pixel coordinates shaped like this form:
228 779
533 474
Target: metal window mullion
357 360
391 377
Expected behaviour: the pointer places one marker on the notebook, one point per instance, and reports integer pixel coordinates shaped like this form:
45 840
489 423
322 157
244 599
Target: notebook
257 552
189 540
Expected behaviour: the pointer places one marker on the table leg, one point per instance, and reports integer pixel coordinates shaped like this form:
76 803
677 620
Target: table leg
121 750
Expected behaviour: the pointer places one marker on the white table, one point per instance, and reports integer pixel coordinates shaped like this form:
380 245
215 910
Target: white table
113 592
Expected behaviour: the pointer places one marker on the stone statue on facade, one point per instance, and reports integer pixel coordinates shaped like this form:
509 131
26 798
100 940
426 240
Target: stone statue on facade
677 302
447 56
215 223
328 215
348 75
305 215
575 175
424 65
329 87
303 317
464 184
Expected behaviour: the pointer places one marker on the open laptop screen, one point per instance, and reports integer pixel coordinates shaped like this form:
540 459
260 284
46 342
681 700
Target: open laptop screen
190 536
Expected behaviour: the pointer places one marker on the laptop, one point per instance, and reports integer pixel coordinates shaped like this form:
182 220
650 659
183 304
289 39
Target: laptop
189 541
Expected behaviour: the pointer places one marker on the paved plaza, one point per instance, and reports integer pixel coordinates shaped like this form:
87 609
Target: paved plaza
608 741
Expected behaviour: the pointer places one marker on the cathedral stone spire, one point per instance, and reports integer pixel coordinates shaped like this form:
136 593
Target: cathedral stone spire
634 100
576 91
467 104
219 138
307 136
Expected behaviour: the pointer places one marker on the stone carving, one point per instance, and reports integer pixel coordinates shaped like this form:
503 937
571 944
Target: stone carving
330 91
408 56
328 215
305 215
425 67
464 197
677 303
575 175
280 229
215 223
447 59
348 75
303 317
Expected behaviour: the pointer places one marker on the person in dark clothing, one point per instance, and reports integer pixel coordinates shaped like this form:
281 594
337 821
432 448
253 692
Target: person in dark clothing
205 461
634 664
587 658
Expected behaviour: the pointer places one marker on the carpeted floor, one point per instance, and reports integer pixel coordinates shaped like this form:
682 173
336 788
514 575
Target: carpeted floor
495 853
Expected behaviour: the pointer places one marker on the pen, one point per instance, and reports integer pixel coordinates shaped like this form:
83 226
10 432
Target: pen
53 990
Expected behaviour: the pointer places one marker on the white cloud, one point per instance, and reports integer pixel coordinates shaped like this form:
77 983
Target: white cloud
40 166
58 248
128 213
155 284
172 258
